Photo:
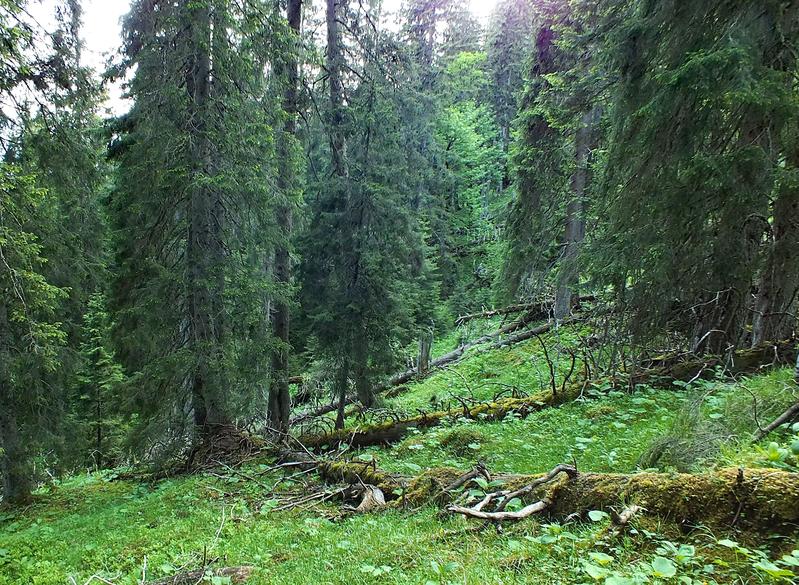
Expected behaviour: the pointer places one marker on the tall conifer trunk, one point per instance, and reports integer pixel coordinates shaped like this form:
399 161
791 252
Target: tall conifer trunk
13 460
205 281
775 309
569 277
279 400
338 154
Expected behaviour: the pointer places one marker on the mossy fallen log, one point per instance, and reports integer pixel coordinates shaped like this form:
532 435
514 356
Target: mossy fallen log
761 499
754 499
744 361
385 433
445 360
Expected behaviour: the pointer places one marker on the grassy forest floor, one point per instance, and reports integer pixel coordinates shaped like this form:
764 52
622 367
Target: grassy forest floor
124 531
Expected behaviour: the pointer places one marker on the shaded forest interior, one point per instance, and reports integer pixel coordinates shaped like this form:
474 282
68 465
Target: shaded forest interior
355 256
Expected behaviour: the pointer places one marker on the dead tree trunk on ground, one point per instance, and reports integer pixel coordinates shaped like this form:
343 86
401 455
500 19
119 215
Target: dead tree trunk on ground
744 361
759 499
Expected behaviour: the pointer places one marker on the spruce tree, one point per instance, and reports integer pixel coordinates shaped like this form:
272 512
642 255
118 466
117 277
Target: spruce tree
194 213
362 250
279 407
51 234
702 143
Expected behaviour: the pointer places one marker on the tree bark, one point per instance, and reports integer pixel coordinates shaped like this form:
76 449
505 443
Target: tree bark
569 277
340 169
338 143
279 408
363 387
342 383
14 466
425 346
775 309
205 281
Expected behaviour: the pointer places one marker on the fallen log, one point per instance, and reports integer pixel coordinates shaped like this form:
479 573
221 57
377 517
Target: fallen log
743 361
447 359
233 575
543 309
760 499
756 499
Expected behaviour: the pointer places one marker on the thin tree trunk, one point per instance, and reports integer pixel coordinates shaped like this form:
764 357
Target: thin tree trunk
13 459
338 143
338 154
425 347
342 384
569 276
279 408
14 465
775 309
363 387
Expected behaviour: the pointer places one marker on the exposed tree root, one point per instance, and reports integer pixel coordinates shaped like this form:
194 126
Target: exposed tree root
749 360
234 574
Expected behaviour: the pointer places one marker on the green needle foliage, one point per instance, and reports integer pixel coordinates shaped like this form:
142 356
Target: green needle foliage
193 210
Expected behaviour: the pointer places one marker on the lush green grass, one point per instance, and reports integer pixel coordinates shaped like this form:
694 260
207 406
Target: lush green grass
483 374
94 525
91 526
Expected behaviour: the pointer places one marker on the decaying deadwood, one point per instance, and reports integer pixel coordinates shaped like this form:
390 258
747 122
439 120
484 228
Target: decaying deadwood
788 416
749 360
447 359
479 470
372 499
503 497
234 574
543 309
744 361
623 518
756 499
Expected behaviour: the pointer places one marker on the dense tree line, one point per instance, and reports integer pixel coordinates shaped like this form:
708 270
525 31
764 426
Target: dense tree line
320 187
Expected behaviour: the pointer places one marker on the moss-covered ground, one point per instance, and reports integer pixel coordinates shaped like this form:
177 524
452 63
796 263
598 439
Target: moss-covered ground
122 530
